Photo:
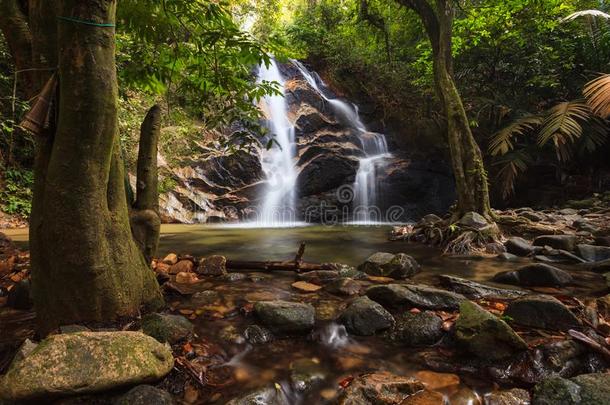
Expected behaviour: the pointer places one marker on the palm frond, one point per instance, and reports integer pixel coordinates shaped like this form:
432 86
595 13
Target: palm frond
511 165
587 14
562 125
597 93
503 141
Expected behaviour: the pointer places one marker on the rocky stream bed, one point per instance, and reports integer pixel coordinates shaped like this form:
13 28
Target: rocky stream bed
402 325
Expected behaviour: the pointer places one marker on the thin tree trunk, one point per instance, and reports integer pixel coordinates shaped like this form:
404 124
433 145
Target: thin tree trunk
86 266
14 26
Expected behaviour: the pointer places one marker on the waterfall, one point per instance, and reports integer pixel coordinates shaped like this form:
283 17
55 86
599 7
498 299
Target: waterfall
365 207
278 205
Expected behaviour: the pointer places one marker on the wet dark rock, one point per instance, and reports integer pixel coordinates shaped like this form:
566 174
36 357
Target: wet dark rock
232 277
415 296
597 267
485 335
213 266
145 395
325 172
594 388
319 277
429 220
533 216
602 241
507 257
285 317
541 311
564 242
515 396
379 388
535 275
205 297
586 389
20 296
417 329
343 286
258 335
474 290
473 220
518 246
593 253
365 317
167 328
398 266
261 396
305 375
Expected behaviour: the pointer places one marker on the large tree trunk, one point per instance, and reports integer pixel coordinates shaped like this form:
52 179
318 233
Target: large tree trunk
86 266
466 158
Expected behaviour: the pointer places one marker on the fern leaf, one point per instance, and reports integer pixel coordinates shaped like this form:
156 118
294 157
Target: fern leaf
503 141
511 166
597 93
587 14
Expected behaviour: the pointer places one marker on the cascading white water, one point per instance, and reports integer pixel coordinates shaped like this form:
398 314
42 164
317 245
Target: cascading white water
374 145
278 206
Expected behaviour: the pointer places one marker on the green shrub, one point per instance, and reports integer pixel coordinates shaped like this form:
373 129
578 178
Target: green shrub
16 193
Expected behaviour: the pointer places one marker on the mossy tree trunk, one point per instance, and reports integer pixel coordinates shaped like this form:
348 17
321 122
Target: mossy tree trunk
466 157
86 266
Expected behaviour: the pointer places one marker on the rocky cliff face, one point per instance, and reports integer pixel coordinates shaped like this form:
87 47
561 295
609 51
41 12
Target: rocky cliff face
221 187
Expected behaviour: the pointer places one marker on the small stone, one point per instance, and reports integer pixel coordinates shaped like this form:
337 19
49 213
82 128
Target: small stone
258 335
343 286
541 311
233 277
485 335
507 257
145 395
186 278
206 297
515 396
473 220
563 242
319 277
304 286
365 317
262 396
518 246
379 388
183 266
167 328
397 266
170 259
306 374
535 275
213 266
438 381
285 317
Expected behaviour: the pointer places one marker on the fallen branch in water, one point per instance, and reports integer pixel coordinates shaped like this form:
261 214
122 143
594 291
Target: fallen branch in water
581 337
297 264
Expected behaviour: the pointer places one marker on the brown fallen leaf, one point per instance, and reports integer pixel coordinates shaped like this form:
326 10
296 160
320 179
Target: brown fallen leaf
304 286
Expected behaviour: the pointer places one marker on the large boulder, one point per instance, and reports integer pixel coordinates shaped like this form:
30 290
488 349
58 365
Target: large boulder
284 317
86 362
167 328
593 253
535 275
398 266
325 172
485 335
379 388
518 246
563 242
414 296
541 311
417 329
365 317
586 389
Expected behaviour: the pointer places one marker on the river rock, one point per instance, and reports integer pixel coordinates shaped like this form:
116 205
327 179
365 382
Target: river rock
86 362
474 290
518 246
397 266
594 388
541 311
365 317
535 275
145 395
185 266
258 335
593 253
564 242
473 220
285 317
319 277
343 286
167 328
261 396
515 396
417 329
586 389
425 397
485 335
417 296
507 257
213 266
170 259
379 388
306 374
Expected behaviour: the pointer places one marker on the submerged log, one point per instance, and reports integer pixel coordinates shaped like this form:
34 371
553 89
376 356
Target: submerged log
297 264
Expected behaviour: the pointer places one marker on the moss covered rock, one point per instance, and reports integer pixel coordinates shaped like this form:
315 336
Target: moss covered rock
485 335
398 266
167 328
285 317
86 362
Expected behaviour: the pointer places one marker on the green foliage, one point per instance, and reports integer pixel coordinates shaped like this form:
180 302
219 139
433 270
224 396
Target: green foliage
16 191
167 184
